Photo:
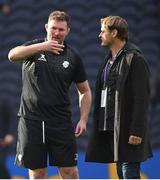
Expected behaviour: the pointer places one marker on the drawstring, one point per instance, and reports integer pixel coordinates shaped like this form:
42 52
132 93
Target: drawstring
43 131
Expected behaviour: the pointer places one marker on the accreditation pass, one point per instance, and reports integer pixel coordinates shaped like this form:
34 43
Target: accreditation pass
103 97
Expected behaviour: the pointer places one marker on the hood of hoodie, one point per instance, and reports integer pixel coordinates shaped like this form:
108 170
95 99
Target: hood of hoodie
131 47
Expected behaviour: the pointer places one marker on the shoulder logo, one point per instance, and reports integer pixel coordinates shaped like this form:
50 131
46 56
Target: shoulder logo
42 58
65 64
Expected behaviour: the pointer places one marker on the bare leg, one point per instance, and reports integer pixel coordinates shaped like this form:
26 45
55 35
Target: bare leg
69 172
38 173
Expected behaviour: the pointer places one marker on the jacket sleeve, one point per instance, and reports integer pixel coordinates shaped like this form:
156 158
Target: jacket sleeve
140 95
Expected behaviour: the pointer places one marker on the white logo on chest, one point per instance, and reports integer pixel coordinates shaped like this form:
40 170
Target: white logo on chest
65 64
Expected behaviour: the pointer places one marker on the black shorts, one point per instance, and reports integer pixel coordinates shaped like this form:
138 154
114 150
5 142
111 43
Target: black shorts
38 141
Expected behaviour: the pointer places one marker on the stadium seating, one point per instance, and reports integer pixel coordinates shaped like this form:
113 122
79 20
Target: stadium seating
26 22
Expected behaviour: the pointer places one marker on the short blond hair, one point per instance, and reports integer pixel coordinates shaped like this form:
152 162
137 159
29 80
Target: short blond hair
59 16
118 23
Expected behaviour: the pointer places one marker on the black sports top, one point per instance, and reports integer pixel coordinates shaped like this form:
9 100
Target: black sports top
46 79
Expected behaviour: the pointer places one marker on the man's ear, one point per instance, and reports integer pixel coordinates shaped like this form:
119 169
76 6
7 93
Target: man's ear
46 27
114 32
69 30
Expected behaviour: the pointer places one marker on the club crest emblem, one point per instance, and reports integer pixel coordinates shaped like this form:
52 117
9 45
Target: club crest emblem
65 64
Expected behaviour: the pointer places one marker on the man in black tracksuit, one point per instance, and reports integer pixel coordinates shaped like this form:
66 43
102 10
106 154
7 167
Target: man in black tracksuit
120 131
45 127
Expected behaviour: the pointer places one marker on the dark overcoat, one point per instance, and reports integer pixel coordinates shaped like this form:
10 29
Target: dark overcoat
131 113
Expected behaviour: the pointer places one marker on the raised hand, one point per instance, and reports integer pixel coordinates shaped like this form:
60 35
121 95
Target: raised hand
53 46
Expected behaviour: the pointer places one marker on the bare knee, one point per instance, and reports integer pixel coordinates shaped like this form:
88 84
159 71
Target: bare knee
38 173
69 172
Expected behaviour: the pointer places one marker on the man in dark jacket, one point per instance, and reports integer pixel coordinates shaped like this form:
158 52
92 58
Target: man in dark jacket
120 132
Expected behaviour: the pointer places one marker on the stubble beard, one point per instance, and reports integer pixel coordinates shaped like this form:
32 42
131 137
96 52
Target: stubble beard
107 45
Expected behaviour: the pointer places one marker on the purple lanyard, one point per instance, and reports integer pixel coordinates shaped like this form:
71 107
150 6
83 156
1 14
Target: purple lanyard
108 67
106 71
